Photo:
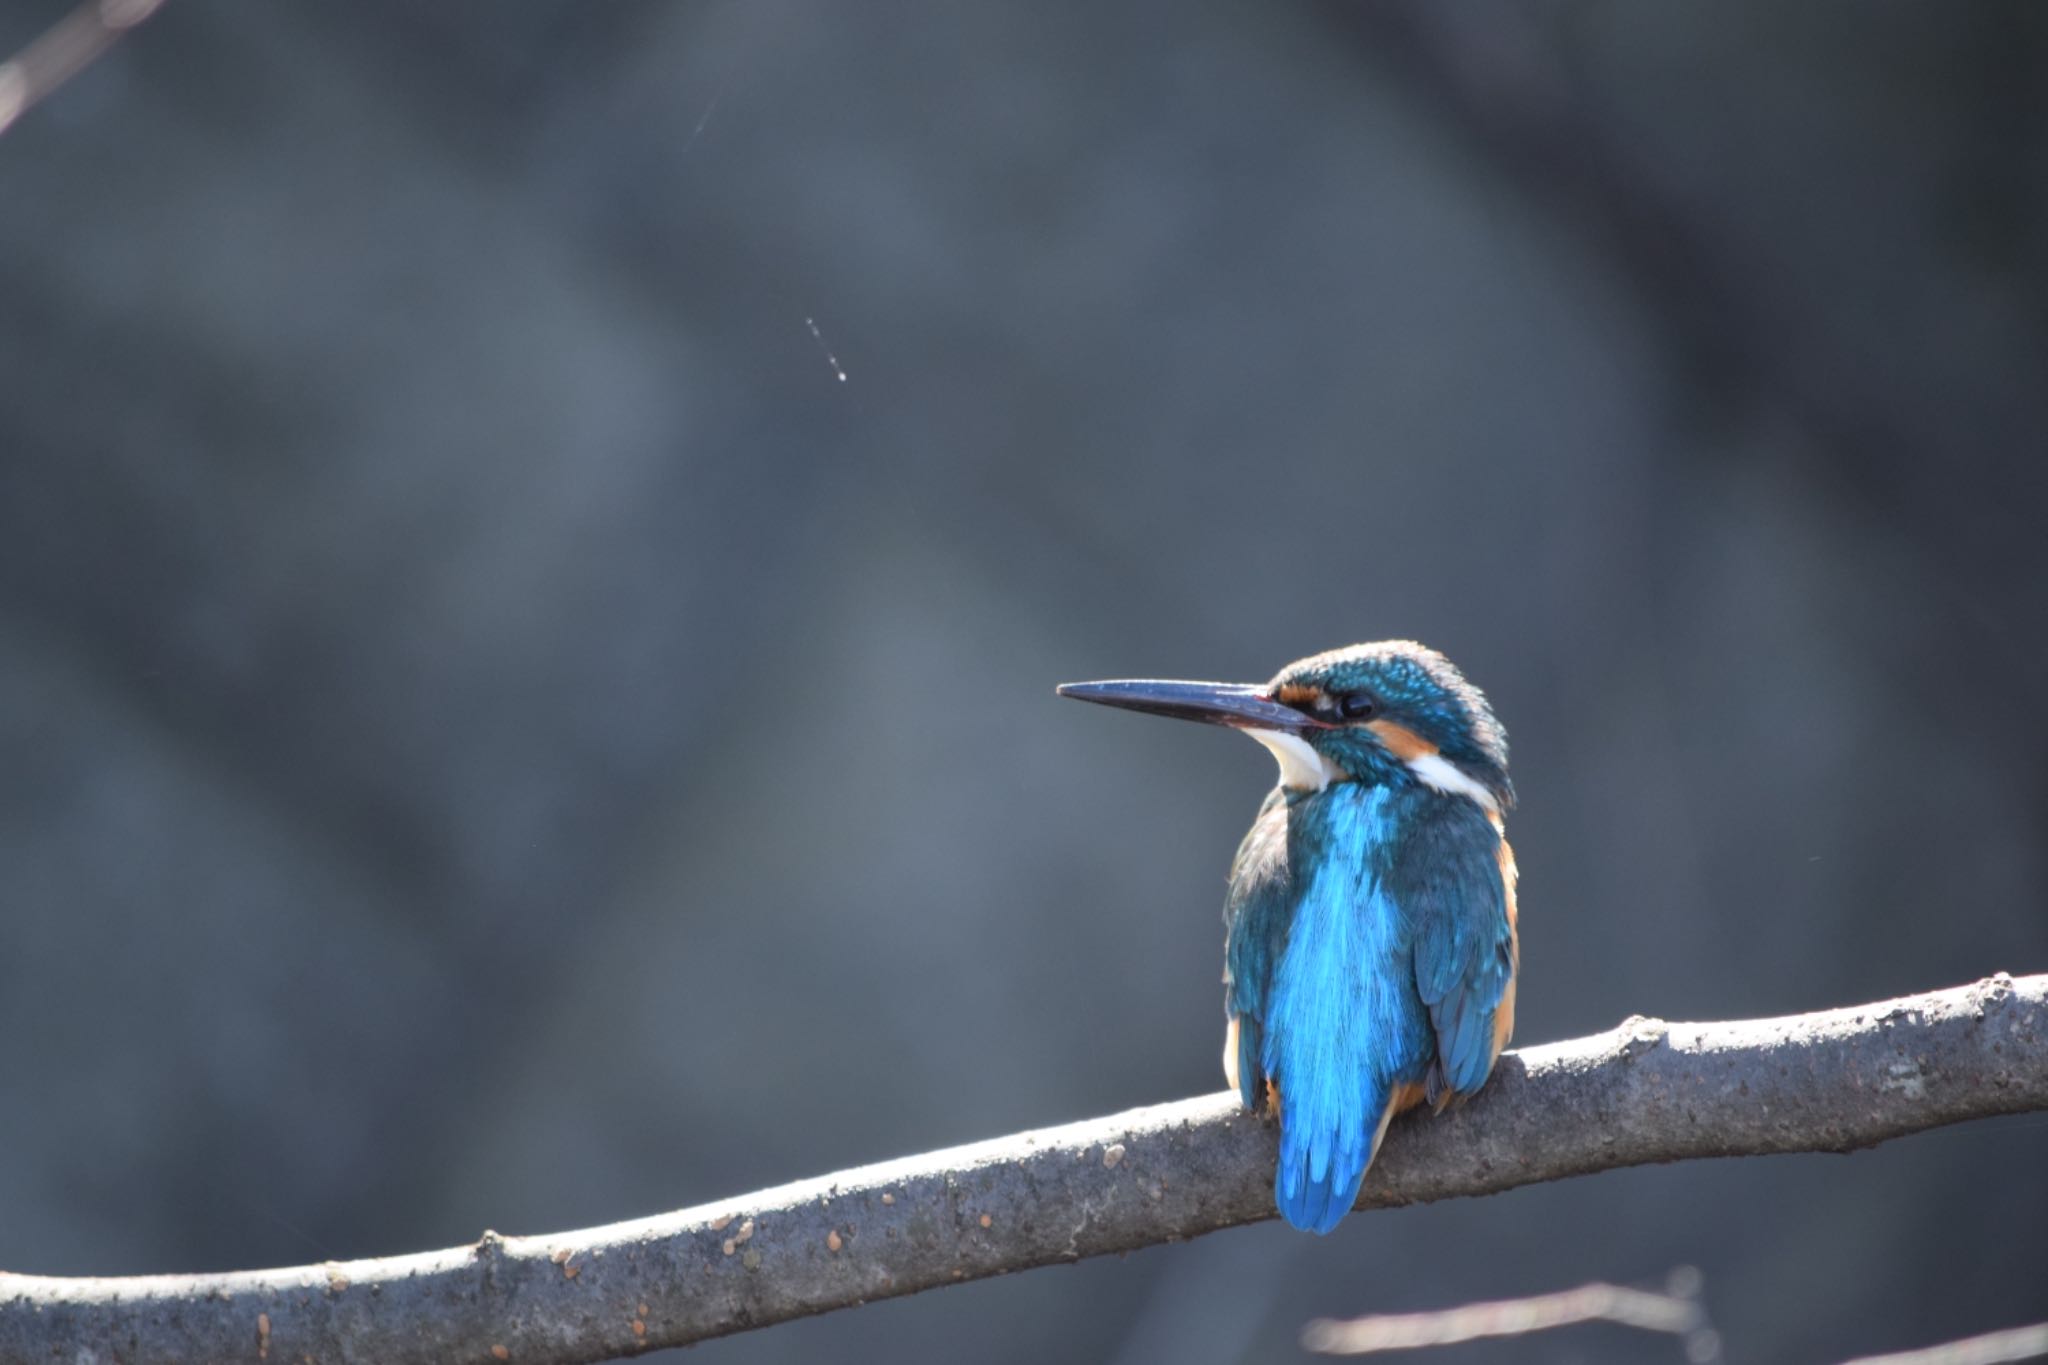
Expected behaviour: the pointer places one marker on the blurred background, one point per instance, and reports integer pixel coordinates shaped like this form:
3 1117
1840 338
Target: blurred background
536 541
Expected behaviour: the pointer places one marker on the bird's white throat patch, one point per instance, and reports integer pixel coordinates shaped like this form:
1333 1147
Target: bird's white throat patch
1301 767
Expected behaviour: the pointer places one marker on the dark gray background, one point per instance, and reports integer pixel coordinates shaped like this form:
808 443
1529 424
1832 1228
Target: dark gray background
494 733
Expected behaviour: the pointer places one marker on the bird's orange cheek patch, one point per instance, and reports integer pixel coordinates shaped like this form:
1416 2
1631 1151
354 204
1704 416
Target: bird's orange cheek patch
1402 742
1297 694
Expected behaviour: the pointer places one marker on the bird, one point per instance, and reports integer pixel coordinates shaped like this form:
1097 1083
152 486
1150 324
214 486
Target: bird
1371 945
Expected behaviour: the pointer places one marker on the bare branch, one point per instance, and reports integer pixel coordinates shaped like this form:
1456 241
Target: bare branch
69 46
1678 1312
1645 1092
1672 1313
1993 1348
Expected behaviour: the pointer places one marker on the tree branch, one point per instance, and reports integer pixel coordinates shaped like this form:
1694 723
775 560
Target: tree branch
1645 1092
1993 1348
72 44
1678 1314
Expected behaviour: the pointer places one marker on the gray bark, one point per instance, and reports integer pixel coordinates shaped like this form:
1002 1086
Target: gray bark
1644 1092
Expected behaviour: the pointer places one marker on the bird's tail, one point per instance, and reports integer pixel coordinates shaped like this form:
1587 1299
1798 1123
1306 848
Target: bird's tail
1328 1136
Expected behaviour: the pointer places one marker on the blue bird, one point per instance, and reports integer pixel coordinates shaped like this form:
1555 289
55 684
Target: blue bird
1370 944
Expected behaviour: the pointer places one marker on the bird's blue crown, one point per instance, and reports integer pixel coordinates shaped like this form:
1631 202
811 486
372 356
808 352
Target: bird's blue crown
1381 706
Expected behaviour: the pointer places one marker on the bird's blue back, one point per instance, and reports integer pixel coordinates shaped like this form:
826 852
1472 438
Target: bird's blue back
1370 946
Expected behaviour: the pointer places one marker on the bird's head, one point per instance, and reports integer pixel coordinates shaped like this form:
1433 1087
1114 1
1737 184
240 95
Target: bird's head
1390 712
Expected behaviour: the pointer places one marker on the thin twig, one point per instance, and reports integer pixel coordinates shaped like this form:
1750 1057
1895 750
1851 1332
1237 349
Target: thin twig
1993 1348
1505 1318
1678 1312
66 48
1645 1092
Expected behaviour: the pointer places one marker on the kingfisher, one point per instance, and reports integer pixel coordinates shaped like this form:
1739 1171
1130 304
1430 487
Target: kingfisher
1370 946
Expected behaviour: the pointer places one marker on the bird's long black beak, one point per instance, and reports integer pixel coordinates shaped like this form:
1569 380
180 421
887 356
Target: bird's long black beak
1242 705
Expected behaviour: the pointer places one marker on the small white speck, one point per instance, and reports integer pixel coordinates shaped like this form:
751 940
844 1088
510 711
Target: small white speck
830 359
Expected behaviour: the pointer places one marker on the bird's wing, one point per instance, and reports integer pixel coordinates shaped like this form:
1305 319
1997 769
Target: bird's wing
1255 915
1455 880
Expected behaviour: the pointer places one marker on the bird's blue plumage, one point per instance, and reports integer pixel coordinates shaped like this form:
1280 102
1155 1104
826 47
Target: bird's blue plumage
1343 1023
1452 876
1368 949
1256 916
1371 951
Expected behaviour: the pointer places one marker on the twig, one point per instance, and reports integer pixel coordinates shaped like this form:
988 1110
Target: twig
66 48
1672 1313
1677 1312
1644 1092
1993 1348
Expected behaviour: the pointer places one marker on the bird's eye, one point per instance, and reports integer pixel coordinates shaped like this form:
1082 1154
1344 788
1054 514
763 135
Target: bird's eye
1357 705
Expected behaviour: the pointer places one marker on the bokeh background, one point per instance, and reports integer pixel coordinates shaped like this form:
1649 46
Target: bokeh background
536 540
